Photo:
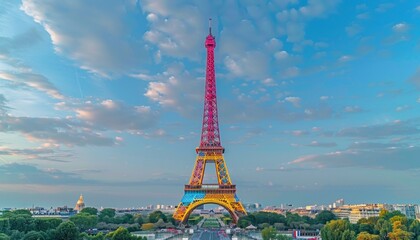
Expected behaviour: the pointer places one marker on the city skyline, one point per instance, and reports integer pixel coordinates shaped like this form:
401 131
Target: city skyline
318 100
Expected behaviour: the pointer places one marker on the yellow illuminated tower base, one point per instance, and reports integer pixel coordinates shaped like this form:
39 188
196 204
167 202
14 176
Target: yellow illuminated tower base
223 193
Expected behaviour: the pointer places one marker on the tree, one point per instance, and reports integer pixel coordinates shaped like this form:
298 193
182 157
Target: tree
283 237
415 229
90 210
399 232
147 226
43 224
67 231
337 230
367 236
34 235
84 221
22 212
4 237
325 216
120 234
382 227
156 215
106 214
268 233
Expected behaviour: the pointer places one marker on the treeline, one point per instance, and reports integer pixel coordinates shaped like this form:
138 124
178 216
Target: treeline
388 226
19 224
280 222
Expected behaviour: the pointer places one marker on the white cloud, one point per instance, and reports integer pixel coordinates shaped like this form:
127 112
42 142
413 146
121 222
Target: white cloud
345 58
112 115
352 109
281 55
324 98
294 100
101 46
269 82
33 80
177 90
402 108
400 27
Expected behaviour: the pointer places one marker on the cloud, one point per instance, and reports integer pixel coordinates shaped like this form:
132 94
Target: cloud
384 7
112 115
378 157
178 90
16 173
400 27
402 108
345 58
32 80
397 128
20 74
321 144
47 152
51 130
102 46
352 109
415 79
294 100
353 29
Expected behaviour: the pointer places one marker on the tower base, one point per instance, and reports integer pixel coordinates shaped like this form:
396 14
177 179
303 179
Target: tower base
196 196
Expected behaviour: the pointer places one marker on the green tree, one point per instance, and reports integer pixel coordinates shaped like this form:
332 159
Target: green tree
4 225
22 212
4 237
34 235
90 210
325 216
337 230
383 227
415 229
21 222
67 231
283 237
269 233
16 235
44 224
367 236
106 214
84 221
120 234
156 215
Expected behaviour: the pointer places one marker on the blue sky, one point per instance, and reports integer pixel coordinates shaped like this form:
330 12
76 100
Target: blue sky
318 100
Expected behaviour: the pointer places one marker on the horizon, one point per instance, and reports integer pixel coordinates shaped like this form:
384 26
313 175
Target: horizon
318 100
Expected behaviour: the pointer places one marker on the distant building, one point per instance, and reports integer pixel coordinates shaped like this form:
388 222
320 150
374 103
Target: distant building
359 211
80 204
409 210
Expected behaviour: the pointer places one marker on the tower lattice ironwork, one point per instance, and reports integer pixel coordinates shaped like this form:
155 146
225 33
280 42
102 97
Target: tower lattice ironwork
223 192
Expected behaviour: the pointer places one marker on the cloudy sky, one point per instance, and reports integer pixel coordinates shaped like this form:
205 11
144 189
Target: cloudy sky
318 100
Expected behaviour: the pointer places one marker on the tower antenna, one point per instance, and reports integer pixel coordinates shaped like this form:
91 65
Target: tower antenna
210 26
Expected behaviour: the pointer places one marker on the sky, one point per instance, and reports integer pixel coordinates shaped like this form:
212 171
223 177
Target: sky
318 100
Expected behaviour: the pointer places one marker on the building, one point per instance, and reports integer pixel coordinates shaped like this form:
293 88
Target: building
80 204
409 210
356 212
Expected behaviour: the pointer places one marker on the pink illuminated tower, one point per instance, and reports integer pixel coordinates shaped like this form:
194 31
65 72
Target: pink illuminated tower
210 151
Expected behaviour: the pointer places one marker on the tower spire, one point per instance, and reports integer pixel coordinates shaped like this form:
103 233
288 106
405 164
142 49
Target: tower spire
209 26
210 135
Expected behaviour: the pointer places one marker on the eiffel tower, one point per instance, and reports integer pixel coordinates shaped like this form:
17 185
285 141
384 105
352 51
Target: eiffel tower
223 193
